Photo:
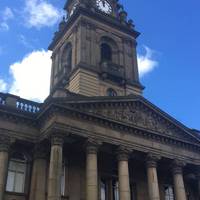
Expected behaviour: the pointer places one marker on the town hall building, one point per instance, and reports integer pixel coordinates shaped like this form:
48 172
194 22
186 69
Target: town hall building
95 137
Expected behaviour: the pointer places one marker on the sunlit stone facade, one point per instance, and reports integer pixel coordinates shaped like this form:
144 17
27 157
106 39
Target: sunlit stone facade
95 137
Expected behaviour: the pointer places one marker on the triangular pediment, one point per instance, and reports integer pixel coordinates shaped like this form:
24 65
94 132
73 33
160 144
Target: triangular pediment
140 113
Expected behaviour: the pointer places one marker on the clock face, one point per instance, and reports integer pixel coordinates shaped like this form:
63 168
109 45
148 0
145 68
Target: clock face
104 6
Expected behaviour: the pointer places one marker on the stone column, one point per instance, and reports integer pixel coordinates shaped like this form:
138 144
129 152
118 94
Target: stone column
91 170
39 171
4 149
153 186
179 187
123 174
198 182
55 168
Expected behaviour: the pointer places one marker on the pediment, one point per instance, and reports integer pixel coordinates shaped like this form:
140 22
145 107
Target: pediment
141 114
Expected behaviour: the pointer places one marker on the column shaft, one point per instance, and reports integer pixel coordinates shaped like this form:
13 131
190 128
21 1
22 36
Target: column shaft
179 187
153 186
199 188
55 169
123 175
4 148
91 173
198 182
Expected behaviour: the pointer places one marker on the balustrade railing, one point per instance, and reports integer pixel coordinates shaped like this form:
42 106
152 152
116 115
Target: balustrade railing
27 106
2 99
18 103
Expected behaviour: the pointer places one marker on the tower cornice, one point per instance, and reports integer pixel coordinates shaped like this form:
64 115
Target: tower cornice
110 21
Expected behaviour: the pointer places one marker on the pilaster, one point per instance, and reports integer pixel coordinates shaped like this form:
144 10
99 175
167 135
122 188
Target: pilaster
38 180
5 143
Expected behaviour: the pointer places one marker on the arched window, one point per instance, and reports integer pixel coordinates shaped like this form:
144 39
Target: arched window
111 92
16 173
66 59
106 52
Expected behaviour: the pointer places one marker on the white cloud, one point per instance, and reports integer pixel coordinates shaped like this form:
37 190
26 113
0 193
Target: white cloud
3 85
31 76
24 41
7 14
4 26
39 13
146 63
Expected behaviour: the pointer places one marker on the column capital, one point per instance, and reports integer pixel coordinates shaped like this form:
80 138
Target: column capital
92 146
177 166
152 159
5 142
123 153
40 151
57 139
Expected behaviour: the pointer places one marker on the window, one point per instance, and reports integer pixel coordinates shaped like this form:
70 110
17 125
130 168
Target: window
16 173
103 190
106 52
111 92
116 190
66 59
169 193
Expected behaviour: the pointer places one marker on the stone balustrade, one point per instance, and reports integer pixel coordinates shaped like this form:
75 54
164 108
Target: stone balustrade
18 103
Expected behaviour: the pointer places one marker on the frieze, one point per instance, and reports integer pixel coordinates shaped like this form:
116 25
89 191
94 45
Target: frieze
140 116
90 112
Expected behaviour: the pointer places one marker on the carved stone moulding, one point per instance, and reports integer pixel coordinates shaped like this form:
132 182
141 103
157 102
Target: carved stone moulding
152 160
5 142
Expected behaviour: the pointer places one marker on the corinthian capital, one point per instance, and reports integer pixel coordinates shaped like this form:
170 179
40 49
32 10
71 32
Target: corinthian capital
152 159
5 143
177 166
123 153
57 139
92 145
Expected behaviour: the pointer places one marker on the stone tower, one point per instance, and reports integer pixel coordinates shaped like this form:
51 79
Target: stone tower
94 50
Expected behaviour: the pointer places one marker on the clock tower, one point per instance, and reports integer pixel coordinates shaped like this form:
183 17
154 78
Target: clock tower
94 50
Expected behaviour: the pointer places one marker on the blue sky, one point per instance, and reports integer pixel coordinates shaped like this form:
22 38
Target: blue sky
168 51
